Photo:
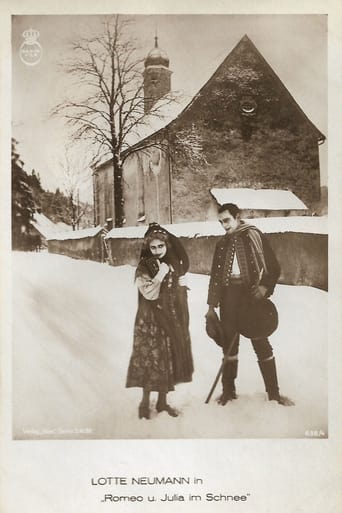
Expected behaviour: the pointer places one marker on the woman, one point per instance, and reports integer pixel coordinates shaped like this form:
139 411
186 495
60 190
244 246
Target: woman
161 354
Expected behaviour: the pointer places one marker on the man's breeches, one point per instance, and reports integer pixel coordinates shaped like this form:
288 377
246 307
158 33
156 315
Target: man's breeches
230 300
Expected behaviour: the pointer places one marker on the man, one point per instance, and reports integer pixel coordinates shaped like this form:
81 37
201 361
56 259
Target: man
244 268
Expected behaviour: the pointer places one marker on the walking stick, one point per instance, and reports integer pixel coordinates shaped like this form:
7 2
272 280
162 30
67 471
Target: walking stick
224 360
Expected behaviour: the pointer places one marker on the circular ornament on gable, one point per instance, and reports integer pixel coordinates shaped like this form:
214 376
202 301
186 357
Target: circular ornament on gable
248 106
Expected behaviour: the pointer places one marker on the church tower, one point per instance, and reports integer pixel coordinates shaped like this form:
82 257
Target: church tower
157 76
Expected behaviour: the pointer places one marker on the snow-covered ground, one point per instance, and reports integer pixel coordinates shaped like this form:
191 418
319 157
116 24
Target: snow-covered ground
72 338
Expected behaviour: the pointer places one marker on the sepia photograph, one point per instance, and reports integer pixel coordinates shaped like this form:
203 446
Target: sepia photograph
162 192
170 242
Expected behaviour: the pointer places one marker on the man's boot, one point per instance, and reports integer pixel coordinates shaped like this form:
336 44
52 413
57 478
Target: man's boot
229 374
269 374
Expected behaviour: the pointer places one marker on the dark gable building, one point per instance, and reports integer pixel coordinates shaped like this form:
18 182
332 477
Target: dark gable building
243 129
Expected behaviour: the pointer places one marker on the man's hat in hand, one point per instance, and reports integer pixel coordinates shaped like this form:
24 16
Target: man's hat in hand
213 327
257 318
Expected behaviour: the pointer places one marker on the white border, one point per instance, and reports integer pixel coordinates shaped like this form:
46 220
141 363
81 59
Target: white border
283 476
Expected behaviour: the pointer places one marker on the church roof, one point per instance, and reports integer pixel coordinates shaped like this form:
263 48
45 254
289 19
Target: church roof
183 102
171 108
320 137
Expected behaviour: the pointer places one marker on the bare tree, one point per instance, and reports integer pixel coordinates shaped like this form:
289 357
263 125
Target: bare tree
75 167
110 107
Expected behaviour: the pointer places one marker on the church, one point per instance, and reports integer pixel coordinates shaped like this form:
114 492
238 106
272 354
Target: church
241 130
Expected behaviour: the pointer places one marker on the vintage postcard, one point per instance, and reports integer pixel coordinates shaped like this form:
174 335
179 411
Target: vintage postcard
169 258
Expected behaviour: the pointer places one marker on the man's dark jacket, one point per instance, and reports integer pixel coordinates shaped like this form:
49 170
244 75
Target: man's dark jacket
219 277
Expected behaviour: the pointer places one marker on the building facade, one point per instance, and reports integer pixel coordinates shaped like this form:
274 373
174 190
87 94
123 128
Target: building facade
243 129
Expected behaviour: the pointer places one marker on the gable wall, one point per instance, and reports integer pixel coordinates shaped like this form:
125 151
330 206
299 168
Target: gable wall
275 147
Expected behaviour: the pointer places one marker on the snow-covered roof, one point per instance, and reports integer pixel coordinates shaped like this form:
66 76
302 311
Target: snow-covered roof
164 111
300 224
46 227
259 199
77 234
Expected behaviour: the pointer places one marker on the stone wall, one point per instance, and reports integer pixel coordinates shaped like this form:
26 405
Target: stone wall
303 257
87 248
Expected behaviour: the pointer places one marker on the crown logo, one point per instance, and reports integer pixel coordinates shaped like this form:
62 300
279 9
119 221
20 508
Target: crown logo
31 35
30 50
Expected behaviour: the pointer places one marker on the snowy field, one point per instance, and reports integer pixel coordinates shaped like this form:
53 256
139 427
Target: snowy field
72 338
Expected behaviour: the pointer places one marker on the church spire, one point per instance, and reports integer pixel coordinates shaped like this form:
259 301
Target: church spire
157 76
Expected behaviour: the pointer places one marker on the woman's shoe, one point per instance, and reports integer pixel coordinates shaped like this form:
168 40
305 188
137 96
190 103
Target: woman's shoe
166 407
144 411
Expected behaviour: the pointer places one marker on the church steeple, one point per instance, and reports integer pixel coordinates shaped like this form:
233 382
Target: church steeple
157 76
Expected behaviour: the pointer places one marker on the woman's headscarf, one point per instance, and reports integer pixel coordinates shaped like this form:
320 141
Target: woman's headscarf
175 255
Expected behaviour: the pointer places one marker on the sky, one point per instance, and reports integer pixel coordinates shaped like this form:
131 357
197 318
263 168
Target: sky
294 45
